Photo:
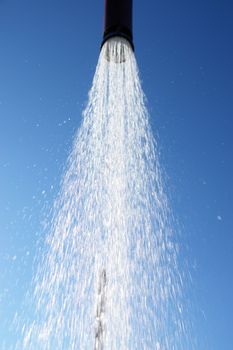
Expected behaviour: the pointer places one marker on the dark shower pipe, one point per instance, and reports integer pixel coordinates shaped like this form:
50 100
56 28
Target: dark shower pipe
118 20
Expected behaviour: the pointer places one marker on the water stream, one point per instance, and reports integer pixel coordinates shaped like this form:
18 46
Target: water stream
108 276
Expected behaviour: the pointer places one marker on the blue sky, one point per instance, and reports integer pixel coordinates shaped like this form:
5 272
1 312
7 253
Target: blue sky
48 53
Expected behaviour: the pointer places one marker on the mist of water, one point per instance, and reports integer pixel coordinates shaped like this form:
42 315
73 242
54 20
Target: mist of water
109 276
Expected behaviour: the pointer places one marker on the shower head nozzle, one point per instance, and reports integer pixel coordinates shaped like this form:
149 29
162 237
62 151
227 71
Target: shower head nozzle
118 20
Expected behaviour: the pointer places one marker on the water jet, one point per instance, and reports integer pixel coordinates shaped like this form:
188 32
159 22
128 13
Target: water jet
108 276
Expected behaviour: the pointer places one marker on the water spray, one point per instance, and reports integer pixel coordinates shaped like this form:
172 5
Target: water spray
118 24
108 275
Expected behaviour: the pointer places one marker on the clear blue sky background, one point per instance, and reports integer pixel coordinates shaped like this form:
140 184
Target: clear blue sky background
48 53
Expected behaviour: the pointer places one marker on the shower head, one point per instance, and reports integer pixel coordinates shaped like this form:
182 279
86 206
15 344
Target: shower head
118 20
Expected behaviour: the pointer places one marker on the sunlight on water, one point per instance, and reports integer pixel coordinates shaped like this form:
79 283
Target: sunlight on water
109 277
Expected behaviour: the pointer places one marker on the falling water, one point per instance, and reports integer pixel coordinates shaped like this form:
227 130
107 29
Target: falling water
109 276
